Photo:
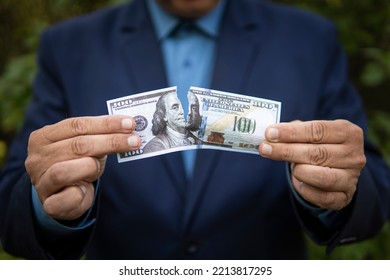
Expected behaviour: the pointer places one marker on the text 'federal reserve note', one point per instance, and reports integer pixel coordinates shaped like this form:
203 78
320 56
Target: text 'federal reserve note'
215 120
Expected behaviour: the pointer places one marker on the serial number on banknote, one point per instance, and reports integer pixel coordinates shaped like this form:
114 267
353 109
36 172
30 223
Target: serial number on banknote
215 120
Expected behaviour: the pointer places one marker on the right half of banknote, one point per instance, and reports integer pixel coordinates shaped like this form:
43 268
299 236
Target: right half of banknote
232 121
215 120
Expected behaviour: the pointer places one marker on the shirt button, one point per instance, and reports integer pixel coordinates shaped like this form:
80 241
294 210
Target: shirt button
187 63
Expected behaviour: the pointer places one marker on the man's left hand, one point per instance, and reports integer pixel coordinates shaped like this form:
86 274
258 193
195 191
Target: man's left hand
326 158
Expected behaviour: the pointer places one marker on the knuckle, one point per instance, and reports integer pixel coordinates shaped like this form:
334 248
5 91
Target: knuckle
115 143
318 155
348 195
78 126
94 170
339 206
360 133
77 196
329 178
53 209
287 154
33 167
356 131
35 151
30 162
353 132
57 174
317 132
358 158
50 209
108 124
33 136
361 161
92 164
37 138
326 200
80 146
343 122
344 201
294 132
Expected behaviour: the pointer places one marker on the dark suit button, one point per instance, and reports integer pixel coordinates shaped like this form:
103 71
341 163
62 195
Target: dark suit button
191 248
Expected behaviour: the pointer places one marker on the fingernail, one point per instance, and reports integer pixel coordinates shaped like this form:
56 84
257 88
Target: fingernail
133 141
266 150
273 133
127 124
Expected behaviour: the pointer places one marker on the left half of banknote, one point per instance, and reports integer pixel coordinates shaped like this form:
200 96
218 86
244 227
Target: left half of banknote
215 120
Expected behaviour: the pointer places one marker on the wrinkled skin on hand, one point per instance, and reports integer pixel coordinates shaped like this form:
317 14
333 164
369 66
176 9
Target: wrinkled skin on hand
64 159
326 158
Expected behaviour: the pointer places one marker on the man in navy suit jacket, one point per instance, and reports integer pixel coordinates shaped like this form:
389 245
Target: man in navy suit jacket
62 197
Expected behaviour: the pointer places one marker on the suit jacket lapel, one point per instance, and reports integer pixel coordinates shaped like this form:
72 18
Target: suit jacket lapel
141 49
239 44
233 62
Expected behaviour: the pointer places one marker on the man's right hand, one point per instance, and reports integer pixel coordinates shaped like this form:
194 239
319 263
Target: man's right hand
65 158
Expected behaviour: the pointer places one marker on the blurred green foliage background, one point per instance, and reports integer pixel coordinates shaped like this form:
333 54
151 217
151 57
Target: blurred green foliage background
364 28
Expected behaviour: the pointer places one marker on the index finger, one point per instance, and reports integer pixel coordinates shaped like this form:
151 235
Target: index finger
73 127
329 132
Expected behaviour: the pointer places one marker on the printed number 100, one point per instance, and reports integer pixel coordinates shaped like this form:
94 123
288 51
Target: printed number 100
244 125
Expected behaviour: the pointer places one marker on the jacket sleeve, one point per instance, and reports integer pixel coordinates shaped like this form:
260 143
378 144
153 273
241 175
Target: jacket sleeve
17 221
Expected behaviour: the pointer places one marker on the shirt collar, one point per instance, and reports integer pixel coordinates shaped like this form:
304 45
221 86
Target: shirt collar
165 22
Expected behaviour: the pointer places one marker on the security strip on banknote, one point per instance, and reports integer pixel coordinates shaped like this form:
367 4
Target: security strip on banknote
215 120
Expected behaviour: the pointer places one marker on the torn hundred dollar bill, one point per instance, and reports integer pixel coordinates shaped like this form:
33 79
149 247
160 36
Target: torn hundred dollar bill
215 120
